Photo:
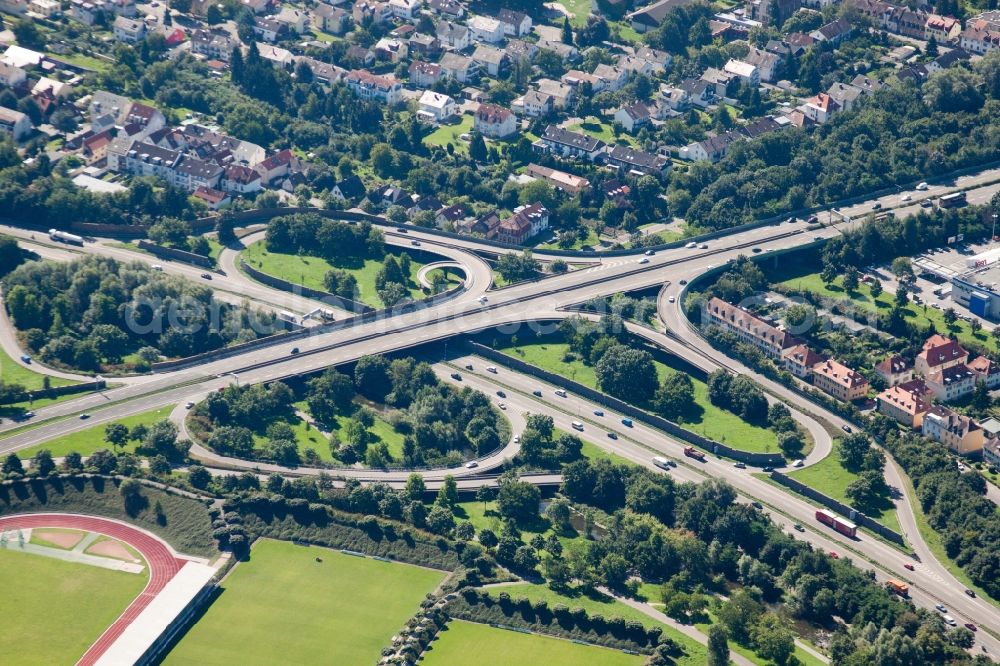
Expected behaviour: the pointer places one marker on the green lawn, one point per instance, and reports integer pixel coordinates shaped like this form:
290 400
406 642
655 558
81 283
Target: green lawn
12 372
284 607
600 130
384 431
309 270
588 242
57 609
921 315
446 134
712 422
694 652
594 452
91 439
579 10
830 478
463 643
805 658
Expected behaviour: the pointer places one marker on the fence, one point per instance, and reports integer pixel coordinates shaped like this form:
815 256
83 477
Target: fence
841 508
179 255
302 290
226 352
671 428
57 391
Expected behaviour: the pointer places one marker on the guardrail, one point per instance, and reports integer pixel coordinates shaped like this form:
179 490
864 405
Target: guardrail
56 391
671 428
851 514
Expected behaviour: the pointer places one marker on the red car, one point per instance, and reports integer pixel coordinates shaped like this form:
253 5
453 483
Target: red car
834 555
909 566
971 627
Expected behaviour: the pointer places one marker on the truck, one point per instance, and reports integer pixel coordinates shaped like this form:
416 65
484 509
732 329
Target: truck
692 452
898 586
953 200
287 316
63 237
830 519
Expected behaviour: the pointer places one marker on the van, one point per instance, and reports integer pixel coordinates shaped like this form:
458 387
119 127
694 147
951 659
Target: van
577 426
561 393
491 368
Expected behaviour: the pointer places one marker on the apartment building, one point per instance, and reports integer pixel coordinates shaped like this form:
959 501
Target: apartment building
770 340
959 433
939 353
840 381
907 402
366 85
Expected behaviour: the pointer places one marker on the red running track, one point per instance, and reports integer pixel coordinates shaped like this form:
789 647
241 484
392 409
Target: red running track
162 565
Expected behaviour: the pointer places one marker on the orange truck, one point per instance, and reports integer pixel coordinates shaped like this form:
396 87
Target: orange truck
692 452
898 586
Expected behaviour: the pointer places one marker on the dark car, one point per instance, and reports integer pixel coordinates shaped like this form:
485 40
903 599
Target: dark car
768 469
970 593
798 527
537 392
846 428
756 505
612 435
877 206
501 394
295 350
468 367
401 230
457 377
207 276
683 282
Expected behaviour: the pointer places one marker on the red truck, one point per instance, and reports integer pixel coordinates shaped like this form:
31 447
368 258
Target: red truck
829 519
692 452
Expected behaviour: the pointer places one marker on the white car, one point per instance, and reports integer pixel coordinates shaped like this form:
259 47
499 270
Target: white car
503 406
941 608
482 299
692 245
905 197
491 368
517 439
950 620
472 464
188 405
644 260
672 299
922 187
798 463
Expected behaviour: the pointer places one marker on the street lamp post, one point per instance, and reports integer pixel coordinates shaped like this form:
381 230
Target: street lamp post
994 234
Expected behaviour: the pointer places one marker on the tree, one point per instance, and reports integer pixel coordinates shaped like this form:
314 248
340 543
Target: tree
773 639
448 495
440 520
28 35
477 148
12 465
371 377
675 397
853 448
72 462
116 434
876 288
614 571
627 373
488 539
518 500
484 494
415 487
949 316
42 462
718 645
567 32
199 477
851 279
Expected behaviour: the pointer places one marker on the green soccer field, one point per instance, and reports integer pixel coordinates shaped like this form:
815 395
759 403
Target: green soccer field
465 643
55 610
284 607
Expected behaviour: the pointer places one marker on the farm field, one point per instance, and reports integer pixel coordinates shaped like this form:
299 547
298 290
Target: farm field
283 606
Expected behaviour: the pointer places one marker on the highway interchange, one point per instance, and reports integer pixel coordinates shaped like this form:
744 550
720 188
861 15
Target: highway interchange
532 306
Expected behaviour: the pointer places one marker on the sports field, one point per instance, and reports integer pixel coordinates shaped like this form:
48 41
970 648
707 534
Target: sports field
54 610
284 607
464 643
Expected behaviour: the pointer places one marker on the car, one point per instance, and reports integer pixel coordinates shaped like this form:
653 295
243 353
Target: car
790 220
950 621
703 246
969 593
692 245
157 267
909 567
517 439
25 358
757 505
941 607
922 187
649 253
671 299
537 393
905 197
491 368
468 366
457 377
756 250
834 555
846 428
798 463
971 627
472 464
501 394
577 425
683 282
561 393
206 276
877 206
644 260
295 350
936 306
813 219
483 299
961 467
402 230
188 405
84 416
598 412
798 527
768 470
627 423
503 406
926 203
28 415
612 435
415 243
740 465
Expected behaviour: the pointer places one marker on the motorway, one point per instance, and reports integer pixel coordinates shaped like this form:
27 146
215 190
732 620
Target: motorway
528 306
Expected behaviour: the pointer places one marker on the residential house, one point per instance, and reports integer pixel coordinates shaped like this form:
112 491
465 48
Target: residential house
562 94
651 16
324 73
95 147
719 78
424 46
387 196
525 223
770 340
638 162
145 117
944 29
129 30
991 445
365 10
560 180
939 352
349 189
951 382
459 67
212 45
760 127
565 143
436 107
491 59
453 35
768 64
424 74
800 360
277 166
660 59
959 433
51 88
269 30
711 149
533 104
84 11
241 179
577 79
103 103
293 19
485 29
277 56
518 49
11 76
257 6
895 369
333 20
834 32
405 10
494 122
452 9
566 52
840 381
614 78
867 85
633 117
451 215
979 37
366 85
360 55
633 65
749 73
214 199
770 12
485 226
845 95
671 99
389 49
946 60
986 371
820 108
907 403
14 123
515 24
45 8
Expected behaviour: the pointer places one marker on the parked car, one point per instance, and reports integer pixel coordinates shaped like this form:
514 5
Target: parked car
703 246
798 463
756 505
846 428
503 406
950 621
877 206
